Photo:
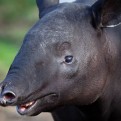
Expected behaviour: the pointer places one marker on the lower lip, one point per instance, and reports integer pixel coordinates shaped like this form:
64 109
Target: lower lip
23 110
28 111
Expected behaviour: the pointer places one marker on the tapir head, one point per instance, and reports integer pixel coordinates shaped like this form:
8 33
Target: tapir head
62 59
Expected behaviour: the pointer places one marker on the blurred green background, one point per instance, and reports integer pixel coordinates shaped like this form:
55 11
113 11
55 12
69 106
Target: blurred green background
16 18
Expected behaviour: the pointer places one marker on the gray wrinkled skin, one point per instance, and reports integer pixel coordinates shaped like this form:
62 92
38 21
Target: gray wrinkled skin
83 89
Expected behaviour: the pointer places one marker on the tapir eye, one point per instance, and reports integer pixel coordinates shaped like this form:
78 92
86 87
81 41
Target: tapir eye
69 59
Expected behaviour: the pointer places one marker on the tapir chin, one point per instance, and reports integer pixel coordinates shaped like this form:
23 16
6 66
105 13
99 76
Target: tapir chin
69 63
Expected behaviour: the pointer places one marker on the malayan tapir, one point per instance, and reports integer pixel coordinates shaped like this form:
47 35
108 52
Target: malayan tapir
69 63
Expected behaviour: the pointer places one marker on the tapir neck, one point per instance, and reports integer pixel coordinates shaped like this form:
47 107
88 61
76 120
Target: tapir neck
108 106
110 100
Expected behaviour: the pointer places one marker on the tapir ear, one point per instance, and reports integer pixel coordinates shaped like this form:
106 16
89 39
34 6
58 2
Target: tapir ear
44 4
107 13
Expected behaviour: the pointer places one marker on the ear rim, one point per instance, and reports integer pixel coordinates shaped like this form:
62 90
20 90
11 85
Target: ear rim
99 15
45 4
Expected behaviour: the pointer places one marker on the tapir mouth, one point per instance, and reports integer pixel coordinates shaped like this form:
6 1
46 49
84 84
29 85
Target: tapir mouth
39 105
24 108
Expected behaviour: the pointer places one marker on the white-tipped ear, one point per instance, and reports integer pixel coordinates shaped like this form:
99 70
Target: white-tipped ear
44 4
63 1
107 13
87 2
112 26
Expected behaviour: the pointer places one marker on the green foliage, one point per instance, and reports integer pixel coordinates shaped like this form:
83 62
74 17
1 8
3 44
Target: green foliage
16 17
12 9
7 53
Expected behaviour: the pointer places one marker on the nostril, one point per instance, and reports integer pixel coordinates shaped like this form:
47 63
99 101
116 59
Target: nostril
9 96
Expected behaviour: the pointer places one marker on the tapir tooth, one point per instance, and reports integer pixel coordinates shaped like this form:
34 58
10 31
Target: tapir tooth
29 104
23 109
